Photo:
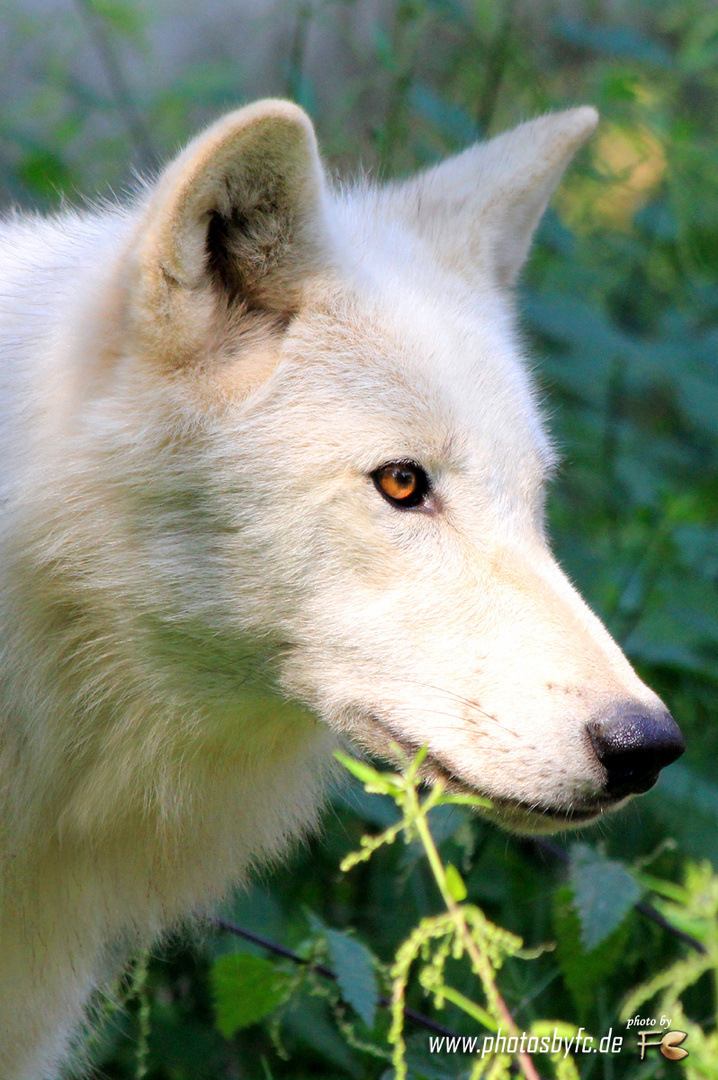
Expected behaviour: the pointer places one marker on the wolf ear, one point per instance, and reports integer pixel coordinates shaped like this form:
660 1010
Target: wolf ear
238 218
479 210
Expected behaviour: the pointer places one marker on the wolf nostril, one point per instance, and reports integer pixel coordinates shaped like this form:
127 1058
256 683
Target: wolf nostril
633 745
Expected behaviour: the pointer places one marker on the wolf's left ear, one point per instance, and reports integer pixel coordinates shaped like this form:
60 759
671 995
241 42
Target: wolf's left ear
237 220
480 209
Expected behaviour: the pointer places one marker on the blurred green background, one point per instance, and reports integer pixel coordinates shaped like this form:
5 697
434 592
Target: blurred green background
620 308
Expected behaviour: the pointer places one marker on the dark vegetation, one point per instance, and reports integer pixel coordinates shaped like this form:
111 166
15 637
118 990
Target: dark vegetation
620 305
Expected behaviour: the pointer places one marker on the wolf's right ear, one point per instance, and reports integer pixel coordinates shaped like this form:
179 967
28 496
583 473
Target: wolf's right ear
479 210
235 223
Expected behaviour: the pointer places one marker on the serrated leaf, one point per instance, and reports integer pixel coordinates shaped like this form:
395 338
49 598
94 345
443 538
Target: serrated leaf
455 883
603 893
583 971
353 966
246 989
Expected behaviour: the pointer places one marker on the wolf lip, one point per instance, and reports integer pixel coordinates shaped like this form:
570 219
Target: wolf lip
519 814
512 813
577 815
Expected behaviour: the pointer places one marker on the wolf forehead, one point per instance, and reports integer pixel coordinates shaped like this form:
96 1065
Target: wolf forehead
403 360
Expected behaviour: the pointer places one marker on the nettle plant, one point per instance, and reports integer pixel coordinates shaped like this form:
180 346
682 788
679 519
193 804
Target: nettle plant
460 930
591 922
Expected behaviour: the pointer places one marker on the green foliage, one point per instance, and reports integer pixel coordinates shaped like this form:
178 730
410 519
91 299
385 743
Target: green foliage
454 883
353 965
694 909
246 989
462 930
584 969
603 894
620 306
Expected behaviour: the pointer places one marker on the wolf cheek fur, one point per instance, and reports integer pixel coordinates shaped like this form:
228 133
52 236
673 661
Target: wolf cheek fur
215 402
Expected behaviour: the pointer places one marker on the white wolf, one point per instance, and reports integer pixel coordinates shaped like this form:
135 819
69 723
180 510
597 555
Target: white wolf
272 475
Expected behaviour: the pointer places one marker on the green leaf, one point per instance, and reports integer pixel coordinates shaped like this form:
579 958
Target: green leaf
465 800
603 893
455 883
381 783
353 965
246 989
582 970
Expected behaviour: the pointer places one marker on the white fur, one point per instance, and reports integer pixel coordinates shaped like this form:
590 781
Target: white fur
202 590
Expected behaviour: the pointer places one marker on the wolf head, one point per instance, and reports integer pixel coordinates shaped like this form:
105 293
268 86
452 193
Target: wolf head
342 378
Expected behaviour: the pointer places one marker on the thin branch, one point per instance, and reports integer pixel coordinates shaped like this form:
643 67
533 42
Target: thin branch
321 969
647 909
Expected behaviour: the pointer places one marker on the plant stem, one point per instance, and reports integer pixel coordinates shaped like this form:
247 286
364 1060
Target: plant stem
472 949
470 1007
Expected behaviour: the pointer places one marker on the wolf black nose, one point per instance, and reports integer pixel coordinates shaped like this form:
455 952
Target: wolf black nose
633 745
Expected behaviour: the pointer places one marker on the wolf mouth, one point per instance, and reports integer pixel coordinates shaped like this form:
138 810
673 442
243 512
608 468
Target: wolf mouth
515 814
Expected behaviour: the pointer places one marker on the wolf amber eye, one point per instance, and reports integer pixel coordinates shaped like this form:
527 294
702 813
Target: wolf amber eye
402 483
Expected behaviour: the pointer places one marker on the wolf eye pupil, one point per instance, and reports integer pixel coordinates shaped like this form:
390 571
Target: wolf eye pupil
403 484
403 480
